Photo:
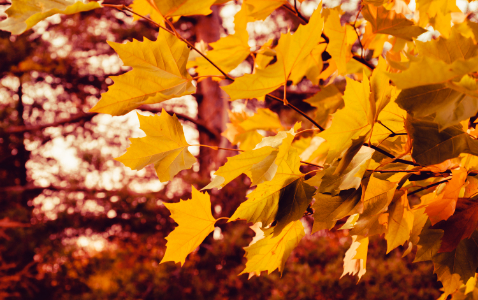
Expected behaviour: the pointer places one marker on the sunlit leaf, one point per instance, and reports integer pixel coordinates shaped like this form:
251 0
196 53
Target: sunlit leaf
164 146
195 222
24 14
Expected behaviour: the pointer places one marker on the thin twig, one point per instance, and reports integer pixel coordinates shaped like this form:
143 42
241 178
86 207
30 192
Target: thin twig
356 32
124 7
428 186
297 110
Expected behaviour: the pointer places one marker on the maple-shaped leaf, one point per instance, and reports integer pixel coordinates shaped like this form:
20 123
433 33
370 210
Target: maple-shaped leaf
355 260
336 179
459 226
260 164
456 267
171 8
159 73
341 39
354 120
427 70
311 66
327 101
329 209
432 146
164 146
438 14
389 22
283 199
228 52
378 195
261 9
428 244
271 252
400 223
449 50
195 222
291 50
243 128
144 8
448 106
24 14
443 206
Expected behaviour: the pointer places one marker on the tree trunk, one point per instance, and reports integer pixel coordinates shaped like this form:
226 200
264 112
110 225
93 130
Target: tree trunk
212 103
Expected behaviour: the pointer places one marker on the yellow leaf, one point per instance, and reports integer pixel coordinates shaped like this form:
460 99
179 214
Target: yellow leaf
355 260
271 252
443 206
327 101
143 8
400 223
260 164
171 8
283 199
159 73
389 22
291 50
24 14
164 146
339 45
261 9
229 51
449 50
354 120
429 70
195 222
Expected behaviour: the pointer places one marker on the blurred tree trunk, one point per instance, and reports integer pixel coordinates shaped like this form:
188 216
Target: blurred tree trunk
212 103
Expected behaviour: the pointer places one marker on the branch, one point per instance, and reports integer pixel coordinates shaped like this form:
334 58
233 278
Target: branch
428 186
297 110
23 129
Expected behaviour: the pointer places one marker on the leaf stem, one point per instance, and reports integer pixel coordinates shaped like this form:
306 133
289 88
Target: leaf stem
428 186
297 110
240 150
173 32
356 32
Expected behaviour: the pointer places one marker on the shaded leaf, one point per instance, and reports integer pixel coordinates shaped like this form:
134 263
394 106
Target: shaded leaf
271 252
431 146
171 8
400 223
389 22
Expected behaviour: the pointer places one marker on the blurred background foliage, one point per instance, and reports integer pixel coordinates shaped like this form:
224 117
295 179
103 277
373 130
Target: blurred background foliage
75 224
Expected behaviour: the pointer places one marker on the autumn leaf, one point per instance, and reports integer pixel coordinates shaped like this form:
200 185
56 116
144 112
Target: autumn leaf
283 199
271 252
389 22
354 120
171 8
260 164
195 222
261 9
447 105
459 226
228 52
443 206
456 267
341 40
355 260
327 101
159 73
329 209
164 146
400 223
24 14
432 146
291 50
